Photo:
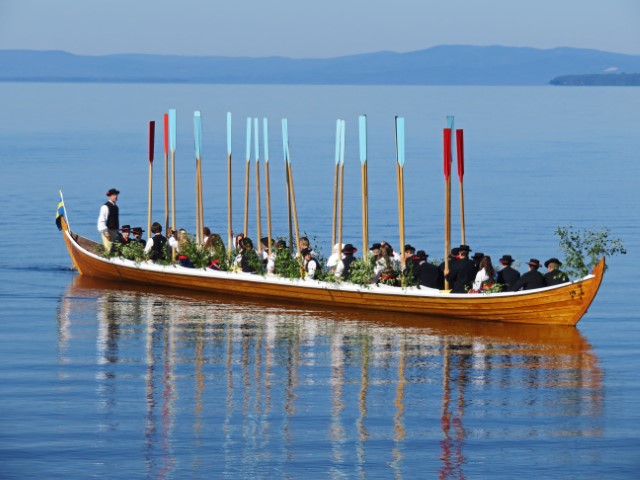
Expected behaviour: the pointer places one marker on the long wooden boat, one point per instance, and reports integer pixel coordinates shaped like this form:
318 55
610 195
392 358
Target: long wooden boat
558 305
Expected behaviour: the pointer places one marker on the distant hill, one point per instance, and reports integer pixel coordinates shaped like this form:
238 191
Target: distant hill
442 65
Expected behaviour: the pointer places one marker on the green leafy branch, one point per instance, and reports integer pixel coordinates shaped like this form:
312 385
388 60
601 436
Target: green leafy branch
584 248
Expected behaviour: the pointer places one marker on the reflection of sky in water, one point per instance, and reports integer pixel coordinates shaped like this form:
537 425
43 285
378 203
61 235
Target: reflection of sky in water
259 390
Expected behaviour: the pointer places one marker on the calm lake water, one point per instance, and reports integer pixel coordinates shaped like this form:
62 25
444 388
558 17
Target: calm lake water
100 380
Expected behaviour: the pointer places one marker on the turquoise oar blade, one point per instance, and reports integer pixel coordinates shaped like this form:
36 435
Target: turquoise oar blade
248 139
285 140
197 128
342 134
172 129
256 143
362 125
400 140
265 136
228 133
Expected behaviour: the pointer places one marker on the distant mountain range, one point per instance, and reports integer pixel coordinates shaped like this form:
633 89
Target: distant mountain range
441 65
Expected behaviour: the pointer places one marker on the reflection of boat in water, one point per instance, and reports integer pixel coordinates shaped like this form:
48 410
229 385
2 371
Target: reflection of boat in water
378 384
558 305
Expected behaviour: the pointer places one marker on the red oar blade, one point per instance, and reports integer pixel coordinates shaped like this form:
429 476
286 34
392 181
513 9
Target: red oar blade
152 137
447 152
460 149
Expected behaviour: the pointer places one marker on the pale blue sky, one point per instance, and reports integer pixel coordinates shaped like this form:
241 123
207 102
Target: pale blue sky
325 28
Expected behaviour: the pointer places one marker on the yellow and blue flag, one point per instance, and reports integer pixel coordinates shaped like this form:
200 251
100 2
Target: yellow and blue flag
60 212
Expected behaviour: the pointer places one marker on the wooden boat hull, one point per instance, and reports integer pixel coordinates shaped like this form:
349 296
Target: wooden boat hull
559 305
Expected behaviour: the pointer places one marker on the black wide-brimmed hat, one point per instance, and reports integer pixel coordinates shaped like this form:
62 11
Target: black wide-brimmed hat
349 249
552 260
465 248
113 191
422 255
534 262
125 228
137 230
409 247
506 260
454 252
281 244
375 246
478 256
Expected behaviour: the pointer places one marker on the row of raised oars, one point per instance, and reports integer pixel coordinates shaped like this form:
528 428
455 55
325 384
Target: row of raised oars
338 200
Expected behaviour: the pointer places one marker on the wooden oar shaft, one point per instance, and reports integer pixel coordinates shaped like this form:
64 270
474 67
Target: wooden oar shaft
198 224
258 212
293 208
341 209
447 226
166 193
401 206
150 199
229 208
462 230
365 210
246 201
335 205
173 189
289 212
268 194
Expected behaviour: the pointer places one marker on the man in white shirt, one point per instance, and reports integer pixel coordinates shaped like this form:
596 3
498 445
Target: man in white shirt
108 220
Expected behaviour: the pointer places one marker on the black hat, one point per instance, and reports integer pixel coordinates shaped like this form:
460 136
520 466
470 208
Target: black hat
534 262
409 247
552 260
113 191
375 246
281 244
478 256
265 241
506 260
125 228
137 230
305 251
422 255
349 249
465 248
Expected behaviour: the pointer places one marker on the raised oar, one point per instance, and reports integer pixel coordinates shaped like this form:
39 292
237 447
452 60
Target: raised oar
256 131
166 172
197 128
362 124
229 206
246 181
265 136
447 195
460 150
172 148
294 211
285 150
342 133
152 136
336 177
400 155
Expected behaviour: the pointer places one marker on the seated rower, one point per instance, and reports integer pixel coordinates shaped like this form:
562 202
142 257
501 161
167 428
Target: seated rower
530 280
425 273
137 234
311 265
554 276
508 275
156 246
343 269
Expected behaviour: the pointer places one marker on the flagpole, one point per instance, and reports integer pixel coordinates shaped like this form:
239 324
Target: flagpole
229 202
460 151
246 180
152 132
365 183
265 137
256 131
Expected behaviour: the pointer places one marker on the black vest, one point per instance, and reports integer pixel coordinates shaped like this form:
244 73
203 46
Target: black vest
113 222
159 248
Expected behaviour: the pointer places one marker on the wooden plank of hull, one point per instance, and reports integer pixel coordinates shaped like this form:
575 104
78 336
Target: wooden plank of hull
561 305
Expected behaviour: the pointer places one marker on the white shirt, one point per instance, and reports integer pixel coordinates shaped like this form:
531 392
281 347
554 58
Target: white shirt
102 218
481 276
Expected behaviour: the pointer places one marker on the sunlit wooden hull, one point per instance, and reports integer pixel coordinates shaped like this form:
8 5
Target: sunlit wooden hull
559 305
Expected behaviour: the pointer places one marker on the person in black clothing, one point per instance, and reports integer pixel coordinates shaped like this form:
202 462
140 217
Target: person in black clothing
137 235
156 246
249 260
508 275
343 268
311 264
425 273
108 219
125 233
477 258
554 276
453 257
530 280
410 260
462 273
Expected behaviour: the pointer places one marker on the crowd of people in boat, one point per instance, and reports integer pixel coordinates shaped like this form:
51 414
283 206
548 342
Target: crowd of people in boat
382 264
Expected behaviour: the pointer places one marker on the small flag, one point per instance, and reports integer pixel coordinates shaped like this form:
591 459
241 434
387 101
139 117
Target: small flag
60 213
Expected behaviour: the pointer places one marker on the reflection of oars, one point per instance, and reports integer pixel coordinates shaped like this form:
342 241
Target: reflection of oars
336 177
365 183
460 149
294 211
152 134
256 131
197 127
265 137
172 147
229 205
447 196
246 181
400 155
341 186
166 172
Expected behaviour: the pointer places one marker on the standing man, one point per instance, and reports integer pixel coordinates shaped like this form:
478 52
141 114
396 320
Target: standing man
108 220
508 275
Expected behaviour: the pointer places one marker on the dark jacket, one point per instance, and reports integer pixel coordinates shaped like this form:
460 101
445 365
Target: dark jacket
508 276
461 275
426 274
555 277
528 281
159 248
113 219
346 262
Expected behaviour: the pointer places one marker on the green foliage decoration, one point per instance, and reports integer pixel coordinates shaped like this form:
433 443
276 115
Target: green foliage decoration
583 248
361 270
